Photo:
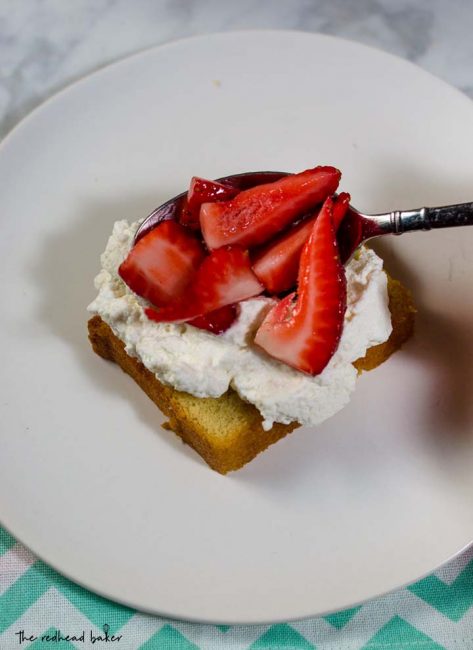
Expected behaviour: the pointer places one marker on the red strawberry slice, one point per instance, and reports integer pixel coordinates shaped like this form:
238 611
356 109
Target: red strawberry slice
201 191
187 217
162 263
340 207
303 331
224 277
255 215
217 321
277 264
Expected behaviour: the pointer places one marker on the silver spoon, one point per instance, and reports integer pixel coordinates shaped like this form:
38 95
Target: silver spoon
356 227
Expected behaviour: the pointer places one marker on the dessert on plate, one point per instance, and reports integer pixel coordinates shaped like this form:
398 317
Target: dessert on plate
237 317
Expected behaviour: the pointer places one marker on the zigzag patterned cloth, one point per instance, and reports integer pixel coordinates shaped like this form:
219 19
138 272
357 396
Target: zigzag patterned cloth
40 609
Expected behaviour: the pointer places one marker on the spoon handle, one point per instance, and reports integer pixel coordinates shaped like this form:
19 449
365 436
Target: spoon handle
446 216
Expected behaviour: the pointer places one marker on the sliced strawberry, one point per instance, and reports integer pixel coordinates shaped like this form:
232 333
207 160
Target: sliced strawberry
162 263
340 207
217 321
188 217
223 278
277 264
201 191
303 331
255 215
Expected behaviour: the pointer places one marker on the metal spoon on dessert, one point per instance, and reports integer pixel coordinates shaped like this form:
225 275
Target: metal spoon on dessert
356 227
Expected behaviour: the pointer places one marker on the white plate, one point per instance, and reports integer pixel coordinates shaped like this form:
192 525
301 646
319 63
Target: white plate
379 495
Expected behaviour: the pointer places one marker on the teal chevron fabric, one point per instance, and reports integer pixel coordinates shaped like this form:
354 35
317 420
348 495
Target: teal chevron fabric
40 609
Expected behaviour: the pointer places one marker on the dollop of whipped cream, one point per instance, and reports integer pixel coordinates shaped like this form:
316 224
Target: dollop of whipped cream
207 365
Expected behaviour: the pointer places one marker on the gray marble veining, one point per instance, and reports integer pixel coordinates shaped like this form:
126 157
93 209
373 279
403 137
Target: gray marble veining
44 45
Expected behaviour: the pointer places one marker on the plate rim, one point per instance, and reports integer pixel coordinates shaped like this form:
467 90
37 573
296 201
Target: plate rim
102 69
235 622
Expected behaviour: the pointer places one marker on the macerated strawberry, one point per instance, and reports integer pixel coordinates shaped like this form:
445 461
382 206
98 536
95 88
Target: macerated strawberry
303 330
217 321
201 191
187 217
277 265
257 214
162 263
223 278
340 207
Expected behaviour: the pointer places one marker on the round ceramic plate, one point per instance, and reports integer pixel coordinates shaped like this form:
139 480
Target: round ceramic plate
374 498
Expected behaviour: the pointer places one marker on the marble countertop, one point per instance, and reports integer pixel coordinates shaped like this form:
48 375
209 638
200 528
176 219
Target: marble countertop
45 45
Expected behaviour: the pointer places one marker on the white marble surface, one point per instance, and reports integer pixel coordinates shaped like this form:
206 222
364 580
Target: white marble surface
46 44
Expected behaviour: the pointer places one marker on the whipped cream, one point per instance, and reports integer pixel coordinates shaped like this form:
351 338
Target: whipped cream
206 365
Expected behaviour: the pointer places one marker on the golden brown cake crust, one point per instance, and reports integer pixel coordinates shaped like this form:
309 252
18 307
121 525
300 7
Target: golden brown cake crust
227 431
401 306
